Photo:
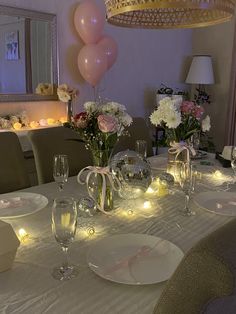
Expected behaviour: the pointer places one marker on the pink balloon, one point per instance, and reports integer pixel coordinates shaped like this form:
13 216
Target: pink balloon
110 48
92 63
89 21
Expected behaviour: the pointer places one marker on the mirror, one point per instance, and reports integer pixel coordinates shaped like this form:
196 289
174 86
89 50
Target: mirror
28 55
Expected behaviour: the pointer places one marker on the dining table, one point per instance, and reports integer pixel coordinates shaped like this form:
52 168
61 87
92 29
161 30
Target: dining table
29 288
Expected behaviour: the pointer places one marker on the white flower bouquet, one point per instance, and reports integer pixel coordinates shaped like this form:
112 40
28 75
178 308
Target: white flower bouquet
180 119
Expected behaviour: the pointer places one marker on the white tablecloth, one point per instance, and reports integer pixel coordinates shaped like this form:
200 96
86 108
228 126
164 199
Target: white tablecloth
30 288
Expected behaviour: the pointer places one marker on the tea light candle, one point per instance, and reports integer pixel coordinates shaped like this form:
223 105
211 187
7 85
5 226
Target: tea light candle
17 125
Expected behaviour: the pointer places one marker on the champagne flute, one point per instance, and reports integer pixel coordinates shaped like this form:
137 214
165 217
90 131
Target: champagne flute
60 170
186 183
64 223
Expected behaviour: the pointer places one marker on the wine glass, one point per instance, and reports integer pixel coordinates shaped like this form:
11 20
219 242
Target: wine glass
60 170
186 183
64 223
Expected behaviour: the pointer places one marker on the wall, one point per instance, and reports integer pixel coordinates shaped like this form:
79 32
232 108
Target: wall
217 41
146 58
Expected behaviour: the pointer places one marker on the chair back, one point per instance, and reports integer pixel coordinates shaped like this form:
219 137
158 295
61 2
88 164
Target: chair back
207 273
13 173
57 140
137 131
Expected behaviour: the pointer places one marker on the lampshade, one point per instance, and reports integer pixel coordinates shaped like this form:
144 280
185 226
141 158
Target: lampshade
201 71
168 13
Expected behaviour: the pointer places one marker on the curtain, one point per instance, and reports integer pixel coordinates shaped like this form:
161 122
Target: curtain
231 116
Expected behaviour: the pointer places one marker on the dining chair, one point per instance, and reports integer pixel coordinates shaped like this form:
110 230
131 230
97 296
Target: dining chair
137 131
204 282
13 173
57 140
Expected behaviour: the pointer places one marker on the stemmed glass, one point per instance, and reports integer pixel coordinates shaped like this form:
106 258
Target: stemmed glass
186 183
60 170
64 223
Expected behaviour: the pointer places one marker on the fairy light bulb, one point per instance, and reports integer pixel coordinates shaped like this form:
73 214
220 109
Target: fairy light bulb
23 235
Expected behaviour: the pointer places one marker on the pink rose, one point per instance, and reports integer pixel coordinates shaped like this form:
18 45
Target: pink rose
187 107
107 124
198 112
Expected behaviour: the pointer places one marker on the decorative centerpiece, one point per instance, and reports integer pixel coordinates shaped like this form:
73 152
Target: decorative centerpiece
100 126
181 121
67 94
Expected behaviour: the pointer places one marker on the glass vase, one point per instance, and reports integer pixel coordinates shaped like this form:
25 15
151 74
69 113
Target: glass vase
174 163
101 159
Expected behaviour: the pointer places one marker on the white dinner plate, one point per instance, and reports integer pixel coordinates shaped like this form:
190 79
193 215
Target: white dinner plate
158 163
222 203
19 204
134 259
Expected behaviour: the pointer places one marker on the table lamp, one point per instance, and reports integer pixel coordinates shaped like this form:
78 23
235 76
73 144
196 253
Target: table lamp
201 73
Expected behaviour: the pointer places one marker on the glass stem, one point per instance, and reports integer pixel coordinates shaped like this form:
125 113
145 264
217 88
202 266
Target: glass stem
66 259
187 198
61 187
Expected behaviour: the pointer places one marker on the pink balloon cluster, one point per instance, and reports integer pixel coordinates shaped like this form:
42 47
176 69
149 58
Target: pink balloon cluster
100 52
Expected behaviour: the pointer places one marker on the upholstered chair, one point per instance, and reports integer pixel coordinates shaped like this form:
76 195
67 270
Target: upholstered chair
13 173
204 282
137 131
57 140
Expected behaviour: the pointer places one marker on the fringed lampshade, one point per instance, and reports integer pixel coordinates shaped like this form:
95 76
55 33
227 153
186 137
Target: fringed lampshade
168 13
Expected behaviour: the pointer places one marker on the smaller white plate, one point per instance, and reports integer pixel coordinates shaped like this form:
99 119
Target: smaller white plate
222 203
19 204
158 163
134 259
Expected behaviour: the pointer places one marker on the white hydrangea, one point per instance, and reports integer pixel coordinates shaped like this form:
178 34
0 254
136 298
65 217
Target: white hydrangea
90 106
206 124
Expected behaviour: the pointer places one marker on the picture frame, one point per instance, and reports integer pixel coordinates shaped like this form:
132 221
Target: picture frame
12 45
